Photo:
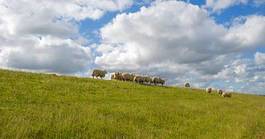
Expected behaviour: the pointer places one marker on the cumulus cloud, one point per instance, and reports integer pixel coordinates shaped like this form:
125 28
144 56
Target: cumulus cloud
260 58
259 2
153 35
44 35
245 75
48 54
249 33
176 32
179 39
219 5
78 10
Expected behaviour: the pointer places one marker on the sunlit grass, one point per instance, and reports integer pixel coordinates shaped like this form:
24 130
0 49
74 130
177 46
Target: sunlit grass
48 106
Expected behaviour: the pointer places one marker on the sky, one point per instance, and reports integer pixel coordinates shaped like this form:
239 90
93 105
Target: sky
208 43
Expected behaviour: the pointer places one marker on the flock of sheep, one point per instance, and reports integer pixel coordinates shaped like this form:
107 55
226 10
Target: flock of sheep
146 80
220 92
130 77
210 90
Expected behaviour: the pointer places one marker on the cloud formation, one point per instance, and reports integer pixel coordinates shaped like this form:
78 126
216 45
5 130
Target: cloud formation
47 54
260 58
219 5
44 35
166 32
176 38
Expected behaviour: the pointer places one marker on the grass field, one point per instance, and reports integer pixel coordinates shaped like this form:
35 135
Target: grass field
48 106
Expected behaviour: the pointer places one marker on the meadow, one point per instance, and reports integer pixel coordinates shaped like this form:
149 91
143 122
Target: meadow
34 105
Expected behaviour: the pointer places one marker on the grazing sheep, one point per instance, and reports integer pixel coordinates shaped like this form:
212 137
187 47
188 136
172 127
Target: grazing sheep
209 90
127 77
147 80
99 73
131 77
187 85
157 80
117 76
219 91
112 77
161 81
54 74
138 79
226 94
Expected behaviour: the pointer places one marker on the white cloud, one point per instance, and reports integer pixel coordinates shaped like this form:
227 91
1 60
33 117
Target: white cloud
47 54
260 58
219 5
259 2
249 33
178 41
44 35
176 32
78 10
157 33
244 76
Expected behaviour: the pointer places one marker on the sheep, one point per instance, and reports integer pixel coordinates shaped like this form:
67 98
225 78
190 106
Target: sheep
187 85
127 77
147 80
112 77
54 74
157 80
209 90
161 81
226 94
138 79
219 91
99 73
117 76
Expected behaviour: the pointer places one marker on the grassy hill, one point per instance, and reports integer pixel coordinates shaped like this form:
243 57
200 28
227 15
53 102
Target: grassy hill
48 106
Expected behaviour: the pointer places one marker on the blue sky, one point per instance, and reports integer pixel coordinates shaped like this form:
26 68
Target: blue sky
209 43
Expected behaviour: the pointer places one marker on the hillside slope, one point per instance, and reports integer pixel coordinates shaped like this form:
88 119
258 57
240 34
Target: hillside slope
48 106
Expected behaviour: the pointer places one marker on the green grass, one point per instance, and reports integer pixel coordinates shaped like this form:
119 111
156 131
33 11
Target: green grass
47 106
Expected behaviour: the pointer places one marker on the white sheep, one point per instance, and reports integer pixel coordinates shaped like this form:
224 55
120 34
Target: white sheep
220 91
209 90
226 94
127 77
138 79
